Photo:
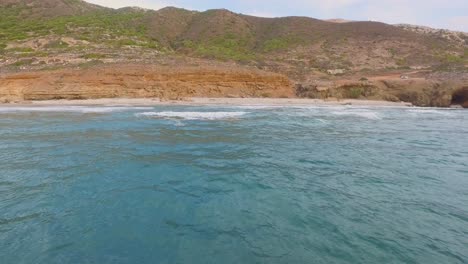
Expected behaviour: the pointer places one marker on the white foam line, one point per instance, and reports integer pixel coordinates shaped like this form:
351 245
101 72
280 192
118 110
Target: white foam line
193 115
430 111
365 114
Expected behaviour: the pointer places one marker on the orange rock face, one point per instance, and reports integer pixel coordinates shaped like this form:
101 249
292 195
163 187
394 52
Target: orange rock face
130 81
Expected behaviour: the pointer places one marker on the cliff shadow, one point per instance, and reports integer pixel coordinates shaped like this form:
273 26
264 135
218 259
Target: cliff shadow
460 97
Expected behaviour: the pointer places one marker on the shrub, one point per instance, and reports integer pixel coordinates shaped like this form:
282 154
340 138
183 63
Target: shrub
94 56
56 44
2 47
21 49
355 92
90 64
281 43
224 49
22 62
275 44
126 42
450 58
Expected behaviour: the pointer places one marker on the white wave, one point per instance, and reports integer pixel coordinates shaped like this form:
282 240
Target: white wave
68 109
430 111
255 107
322 121
365 114
306 107
193 115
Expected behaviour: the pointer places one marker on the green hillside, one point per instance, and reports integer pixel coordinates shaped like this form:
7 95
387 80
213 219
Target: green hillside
32 29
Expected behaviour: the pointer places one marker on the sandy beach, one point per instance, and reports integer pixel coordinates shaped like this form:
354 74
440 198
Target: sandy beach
212 101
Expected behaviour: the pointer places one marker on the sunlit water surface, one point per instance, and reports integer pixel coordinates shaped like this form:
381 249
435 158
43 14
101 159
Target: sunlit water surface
233 185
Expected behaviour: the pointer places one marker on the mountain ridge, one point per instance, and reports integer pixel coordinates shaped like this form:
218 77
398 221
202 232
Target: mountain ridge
225 35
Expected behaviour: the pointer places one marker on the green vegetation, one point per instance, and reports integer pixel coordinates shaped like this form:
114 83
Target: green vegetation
355 92
94 56
126 42
278 44
450 62
392 52
56 44
275 44
450 58
22 62
33 54
90 64
401 62
221 35
20 49
119 28
228 47
2 47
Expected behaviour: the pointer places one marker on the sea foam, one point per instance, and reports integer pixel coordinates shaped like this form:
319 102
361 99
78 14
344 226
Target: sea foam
445 112
193 115
365 114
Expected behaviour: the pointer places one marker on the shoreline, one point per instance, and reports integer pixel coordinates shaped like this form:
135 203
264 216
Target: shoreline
204 101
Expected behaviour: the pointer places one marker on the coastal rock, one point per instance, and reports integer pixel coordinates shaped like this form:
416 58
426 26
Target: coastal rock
419 92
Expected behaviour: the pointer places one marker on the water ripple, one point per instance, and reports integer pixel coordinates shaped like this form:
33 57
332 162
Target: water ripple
212 185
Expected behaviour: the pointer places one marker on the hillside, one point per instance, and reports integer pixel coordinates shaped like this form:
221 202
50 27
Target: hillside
53 34
50 8
457 37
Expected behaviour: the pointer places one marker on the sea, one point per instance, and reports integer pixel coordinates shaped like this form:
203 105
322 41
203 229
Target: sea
233 184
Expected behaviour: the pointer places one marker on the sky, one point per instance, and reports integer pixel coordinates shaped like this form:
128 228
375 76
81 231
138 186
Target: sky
448 14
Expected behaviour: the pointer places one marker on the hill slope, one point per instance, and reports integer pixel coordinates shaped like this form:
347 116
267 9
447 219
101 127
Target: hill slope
224 35
50 8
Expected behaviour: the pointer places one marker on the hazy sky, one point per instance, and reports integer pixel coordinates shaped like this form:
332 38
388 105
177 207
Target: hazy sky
451 14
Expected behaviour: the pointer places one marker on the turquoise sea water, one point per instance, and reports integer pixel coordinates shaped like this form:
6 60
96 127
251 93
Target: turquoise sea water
233 185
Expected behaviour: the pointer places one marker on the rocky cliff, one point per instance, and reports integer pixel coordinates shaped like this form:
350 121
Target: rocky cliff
141 81
424 90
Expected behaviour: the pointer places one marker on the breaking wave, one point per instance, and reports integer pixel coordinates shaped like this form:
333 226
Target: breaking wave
431 111
365 114
193 115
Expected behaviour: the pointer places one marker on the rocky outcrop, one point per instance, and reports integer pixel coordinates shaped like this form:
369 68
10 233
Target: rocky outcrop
350 90
418 91
143 81
421 92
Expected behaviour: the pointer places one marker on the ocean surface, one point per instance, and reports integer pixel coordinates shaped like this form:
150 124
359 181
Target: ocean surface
185 184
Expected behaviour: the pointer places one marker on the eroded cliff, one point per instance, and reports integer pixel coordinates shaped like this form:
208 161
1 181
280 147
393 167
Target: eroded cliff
142 81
